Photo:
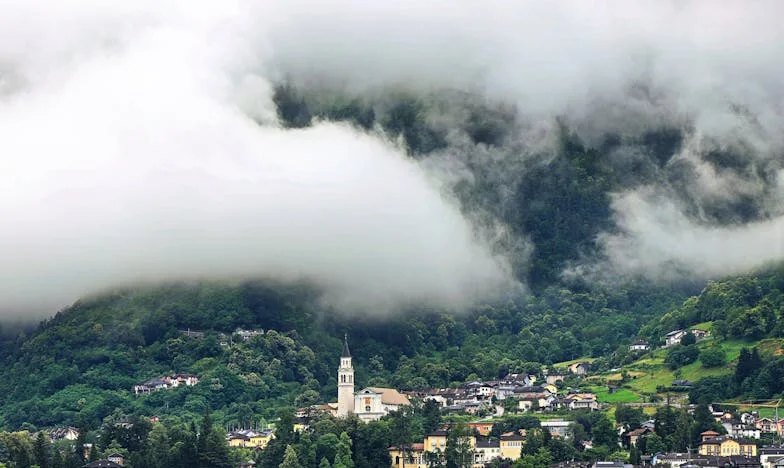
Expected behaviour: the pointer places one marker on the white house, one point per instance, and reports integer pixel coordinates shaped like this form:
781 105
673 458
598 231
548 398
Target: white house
557 427
672 338
579 368
639 345
741 430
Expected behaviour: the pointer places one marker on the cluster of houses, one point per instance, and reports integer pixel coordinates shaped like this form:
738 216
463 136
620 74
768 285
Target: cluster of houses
165 383
674 337
670 339
476 396
739 447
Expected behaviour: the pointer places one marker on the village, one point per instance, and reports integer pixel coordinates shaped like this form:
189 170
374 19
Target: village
740 445
744 439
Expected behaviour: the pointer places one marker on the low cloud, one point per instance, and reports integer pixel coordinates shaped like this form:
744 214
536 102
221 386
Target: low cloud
139 140
146 161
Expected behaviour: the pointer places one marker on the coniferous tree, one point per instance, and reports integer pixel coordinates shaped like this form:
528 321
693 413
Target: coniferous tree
211 446
343 456
459 453
681 438
290 459
634 455
42 450
5 456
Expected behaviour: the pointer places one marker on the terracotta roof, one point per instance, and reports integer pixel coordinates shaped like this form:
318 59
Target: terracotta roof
390 396
713 433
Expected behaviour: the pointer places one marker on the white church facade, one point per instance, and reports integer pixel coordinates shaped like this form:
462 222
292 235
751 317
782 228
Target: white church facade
368 404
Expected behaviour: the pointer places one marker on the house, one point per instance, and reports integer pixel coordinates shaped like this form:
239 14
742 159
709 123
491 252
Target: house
246 335
578 401
483 428
440 399
770 425
557 427
486 451
674 460
487 390
724 446
672 338
608 464
247 464
300 425
511 445
533 401
150 386
683 460
700 334
163 383
68 433
505 390
553 379
639 345
249 439
632 437
579 368
116 458
188 380
520 379
772 457
708 435
738 429
411 457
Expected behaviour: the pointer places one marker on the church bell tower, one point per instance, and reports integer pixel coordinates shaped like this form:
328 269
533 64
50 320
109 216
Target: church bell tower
345 382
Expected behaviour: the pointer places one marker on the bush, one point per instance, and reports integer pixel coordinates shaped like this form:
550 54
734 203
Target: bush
681 355
713 357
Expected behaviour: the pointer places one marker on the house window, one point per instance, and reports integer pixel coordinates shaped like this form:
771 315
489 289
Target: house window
367 409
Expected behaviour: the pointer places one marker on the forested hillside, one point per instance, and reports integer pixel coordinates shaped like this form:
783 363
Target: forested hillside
81 366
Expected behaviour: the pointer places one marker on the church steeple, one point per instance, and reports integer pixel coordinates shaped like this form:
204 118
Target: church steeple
345 382
346 353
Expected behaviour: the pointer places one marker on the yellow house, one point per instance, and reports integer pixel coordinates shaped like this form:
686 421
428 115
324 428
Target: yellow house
414 456
726 446
435 441
248 438
511 445
261 439
300 427
238 440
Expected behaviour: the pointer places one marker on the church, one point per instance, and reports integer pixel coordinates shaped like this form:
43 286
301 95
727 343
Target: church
368 404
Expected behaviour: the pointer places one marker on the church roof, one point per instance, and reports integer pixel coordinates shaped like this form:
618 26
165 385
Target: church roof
390 396
346 353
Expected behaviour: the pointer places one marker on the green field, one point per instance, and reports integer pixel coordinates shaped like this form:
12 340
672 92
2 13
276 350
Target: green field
649 374
621 395
565 364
